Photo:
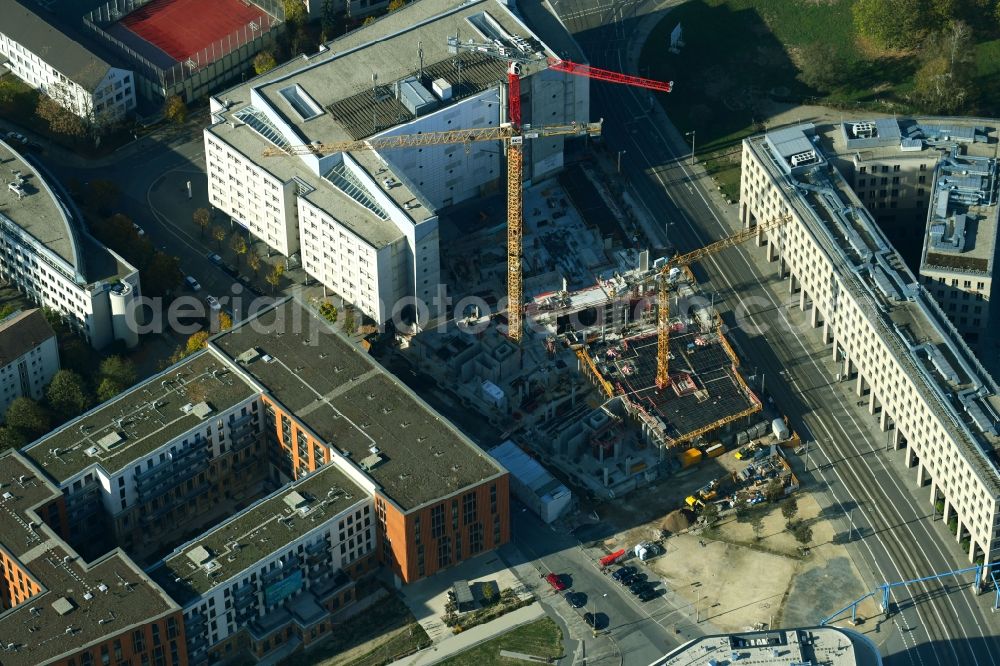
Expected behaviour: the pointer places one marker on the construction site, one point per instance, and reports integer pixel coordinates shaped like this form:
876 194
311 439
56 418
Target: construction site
581 390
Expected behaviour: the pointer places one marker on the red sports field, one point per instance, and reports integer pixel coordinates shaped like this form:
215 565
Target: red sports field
181 28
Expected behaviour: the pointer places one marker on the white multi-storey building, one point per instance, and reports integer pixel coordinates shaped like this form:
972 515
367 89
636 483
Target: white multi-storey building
364 223
906 358
64 69
46 253
163 454
29 356
285 561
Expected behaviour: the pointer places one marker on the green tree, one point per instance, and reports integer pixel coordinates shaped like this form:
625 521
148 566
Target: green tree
219 234
274 277
802 533
892 24
368 20
10 438
28 418
225 321
328 17
996 13
943 83
757 523
823 67
162 276
60 120
202 217
489 593
102 196
350 324
68 394
119 369
108 388
175 110
264 62
395 4
295 12
239 246
742 508
77 355
789 508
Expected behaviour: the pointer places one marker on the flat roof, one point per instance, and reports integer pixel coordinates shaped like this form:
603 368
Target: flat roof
830 646
391 50
963 214
897 307
336 89
53 46
37 211
79 603
263 528
21 332
142 419
352 404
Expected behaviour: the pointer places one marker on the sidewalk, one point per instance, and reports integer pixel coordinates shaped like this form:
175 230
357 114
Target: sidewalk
473 637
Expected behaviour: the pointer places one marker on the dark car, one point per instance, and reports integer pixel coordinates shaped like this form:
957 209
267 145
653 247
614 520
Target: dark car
647 594
624 571
637 587
639 578
575 599
627 579
590 619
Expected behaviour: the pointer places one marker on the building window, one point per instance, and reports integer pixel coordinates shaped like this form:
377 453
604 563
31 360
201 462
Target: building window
469 508
437 521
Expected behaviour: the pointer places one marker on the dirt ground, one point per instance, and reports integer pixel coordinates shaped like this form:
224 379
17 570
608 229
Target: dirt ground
737 582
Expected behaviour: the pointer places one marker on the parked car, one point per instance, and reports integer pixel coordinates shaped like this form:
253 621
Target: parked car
637 587
213 302
627 579
139 231
192 284
17 137
647 594
215 259
622 572
575 599
556 582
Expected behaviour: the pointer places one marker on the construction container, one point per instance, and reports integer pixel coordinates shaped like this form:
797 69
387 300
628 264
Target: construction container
780 430
715 450
690 457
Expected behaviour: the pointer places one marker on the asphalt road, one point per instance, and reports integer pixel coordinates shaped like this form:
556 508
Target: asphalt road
633 633
895 538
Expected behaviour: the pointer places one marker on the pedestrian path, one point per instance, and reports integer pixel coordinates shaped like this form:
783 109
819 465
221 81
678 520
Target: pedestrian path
458 643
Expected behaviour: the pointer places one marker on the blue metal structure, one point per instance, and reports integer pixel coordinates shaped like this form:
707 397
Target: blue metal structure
886 587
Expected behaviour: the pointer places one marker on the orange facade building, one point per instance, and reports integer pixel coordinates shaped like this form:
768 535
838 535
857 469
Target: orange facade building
59 609
439 498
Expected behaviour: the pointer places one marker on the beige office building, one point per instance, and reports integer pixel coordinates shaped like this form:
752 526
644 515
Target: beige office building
906 358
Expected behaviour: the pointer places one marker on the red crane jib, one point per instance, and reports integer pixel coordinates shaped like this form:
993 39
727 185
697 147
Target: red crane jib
607 75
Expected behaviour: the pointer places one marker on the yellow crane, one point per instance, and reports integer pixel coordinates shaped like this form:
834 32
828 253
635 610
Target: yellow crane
663 296
513 137
503 132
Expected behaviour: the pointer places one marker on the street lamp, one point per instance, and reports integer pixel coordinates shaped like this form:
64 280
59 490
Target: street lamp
620 153
692 135
605 595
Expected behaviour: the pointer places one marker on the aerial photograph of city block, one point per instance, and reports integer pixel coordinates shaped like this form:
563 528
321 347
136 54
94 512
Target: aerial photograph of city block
475 332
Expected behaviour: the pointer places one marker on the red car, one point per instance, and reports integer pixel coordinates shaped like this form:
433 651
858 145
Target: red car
556 582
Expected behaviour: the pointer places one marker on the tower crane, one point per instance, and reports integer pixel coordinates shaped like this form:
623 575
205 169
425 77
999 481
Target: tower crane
517 58
664 279
512 133
504 132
